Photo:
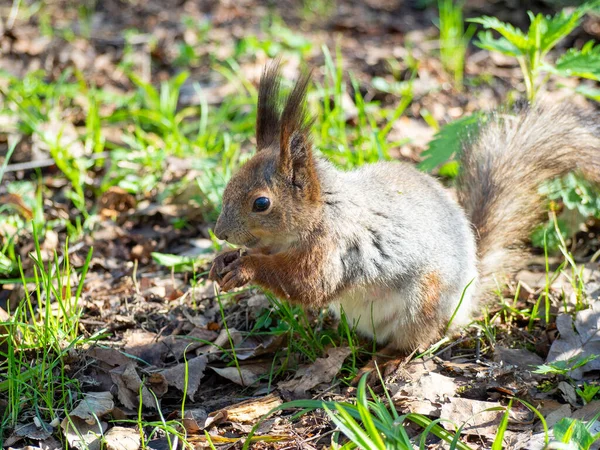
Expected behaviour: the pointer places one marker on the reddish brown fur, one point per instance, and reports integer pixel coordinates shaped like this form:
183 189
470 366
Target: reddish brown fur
431 288
286 255
430 295
296 275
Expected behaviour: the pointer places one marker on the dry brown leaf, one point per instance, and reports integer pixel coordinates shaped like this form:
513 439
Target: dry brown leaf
33 431
579 342
323 370
128 384
121 438
250 410
110 356
145 346
82 435
175 376
433 387
517 357
588 411
178 345
93 406
114 202
194 420
259 345
247 375
472 413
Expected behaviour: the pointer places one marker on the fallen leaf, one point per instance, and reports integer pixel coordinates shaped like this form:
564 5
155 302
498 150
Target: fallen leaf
259 345
32 431
128 384
178 345
194 420
110 356
433 387
588 411
175 376
580 342
473 414
321 371
568 392
247 375
517 357
121 438
250 410
145 346
83 435
94 405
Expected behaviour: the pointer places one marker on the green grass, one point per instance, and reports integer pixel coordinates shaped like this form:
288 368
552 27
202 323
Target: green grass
38 336
454 40
217 138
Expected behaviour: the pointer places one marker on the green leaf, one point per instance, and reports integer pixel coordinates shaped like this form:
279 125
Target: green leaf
6 265
583 63
497 445
178 263
448 141
559 26
589 92
569 430
487 42
513 35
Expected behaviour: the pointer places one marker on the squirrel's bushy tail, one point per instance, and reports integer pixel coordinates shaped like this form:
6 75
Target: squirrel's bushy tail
502 170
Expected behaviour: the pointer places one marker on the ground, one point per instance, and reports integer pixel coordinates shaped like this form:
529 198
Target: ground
120 123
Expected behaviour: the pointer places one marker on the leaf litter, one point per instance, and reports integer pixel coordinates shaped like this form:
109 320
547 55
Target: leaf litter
162 323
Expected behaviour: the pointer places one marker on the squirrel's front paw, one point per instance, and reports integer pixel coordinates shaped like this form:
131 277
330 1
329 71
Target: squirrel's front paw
237 274
220 263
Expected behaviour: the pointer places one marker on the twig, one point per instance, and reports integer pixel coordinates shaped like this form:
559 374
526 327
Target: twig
30 165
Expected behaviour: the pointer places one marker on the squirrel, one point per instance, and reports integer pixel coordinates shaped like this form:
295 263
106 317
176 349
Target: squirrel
386 243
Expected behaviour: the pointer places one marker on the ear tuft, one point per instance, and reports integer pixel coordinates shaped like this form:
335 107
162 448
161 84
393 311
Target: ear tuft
294 140
268 121
295 123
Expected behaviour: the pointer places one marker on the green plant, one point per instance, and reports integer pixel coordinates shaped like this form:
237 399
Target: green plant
372 423
563 367
37 337
277 39
454 40
367 141
588 392
531 48
447 143
576 193
575 432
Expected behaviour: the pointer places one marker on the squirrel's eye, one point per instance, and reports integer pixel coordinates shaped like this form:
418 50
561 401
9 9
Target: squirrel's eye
261 204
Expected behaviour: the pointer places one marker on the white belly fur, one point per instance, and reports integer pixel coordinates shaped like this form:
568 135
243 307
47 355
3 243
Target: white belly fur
393 316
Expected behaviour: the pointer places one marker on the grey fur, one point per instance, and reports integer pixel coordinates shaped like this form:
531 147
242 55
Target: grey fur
391 224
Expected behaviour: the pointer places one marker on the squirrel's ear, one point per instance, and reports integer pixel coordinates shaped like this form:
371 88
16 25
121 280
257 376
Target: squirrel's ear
295 158
268 111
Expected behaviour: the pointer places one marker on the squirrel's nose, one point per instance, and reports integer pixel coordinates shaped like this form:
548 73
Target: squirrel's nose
219 232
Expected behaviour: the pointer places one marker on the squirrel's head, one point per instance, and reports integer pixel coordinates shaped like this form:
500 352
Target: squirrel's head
275 198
